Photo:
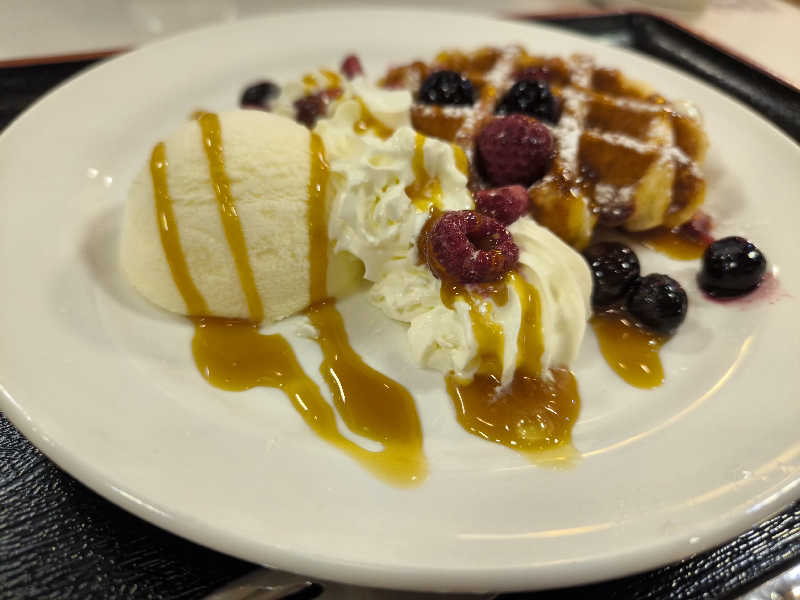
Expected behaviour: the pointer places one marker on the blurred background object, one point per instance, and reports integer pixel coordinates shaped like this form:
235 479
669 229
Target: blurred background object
42 28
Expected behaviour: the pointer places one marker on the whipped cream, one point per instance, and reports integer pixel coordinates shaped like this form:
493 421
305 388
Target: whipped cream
371 214
444 339
390 107
375 215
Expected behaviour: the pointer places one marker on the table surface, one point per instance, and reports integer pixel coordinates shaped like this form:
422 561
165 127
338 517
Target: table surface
45 28
58 539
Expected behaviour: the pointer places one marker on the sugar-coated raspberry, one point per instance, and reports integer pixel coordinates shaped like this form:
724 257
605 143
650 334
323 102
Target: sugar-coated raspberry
514 150
351 66
310 108
469 247
506 204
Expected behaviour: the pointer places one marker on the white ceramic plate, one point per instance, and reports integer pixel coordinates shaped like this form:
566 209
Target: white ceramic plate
105 385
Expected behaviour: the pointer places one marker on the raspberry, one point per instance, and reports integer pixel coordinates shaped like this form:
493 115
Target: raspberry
506 204
309 108
258 95
514 150
469 247
530 97
698 228
351 66
446 87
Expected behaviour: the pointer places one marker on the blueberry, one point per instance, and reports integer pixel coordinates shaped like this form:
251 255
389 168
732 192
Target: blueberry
446 87
530 97
614 268
732 266
259 94
658 302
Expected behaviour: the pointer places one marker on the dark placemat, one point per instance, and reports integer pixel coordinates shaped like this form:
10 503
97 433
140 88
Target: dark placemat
58 539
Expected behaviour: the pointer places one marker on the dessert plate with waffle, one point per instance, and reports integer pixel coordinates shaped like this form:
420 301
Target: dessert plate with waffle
406 278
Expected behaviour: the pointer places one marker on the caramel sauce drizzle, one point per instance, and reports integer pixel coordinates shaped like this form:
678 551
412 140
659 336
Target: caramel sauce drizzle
631 351
370 403
533 414
332 79
317 222
462 162
170 238
212 144
425 191
368 122
489 335
530 343
232 355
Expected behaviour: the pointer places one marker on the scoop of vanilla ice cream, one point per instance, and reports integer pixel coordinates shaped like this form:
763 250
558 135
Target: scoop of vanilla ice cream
267 160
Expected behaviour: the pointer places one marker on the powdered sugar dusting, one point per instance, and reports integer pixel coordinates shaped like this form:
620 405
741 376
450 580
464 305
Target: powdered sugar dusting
580 101
499 78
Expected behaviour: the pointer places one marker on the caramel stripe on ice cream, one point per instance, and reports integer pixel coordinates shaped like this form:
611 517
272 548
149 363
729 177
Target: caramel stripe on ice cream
212 144
317 222
170 238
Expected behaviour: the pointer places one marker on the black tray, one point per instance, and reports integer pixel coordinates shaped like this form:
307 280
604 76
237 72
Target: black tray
58 539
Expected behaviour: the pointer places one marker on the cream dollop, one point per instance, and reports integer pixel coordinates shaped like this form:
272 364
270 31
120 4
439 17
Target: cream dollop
372 216
444 339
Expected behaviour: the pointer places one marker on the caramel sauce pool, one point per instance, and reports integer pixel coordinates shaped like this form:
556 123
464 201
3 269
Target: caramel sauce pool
233 355
532 414
630 350
369 403
672 242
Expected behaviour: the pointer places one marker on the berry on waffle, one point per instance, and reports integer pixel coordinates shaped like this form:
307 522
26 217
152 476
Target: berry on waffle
624 156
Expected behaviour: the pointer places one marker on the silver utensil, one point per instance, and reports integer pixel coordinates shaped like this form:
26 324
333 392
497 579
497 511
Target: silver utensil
267 584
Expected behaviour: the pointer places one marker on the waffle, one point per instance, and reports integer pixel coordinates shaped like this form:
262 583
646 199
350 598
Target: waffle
625 157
